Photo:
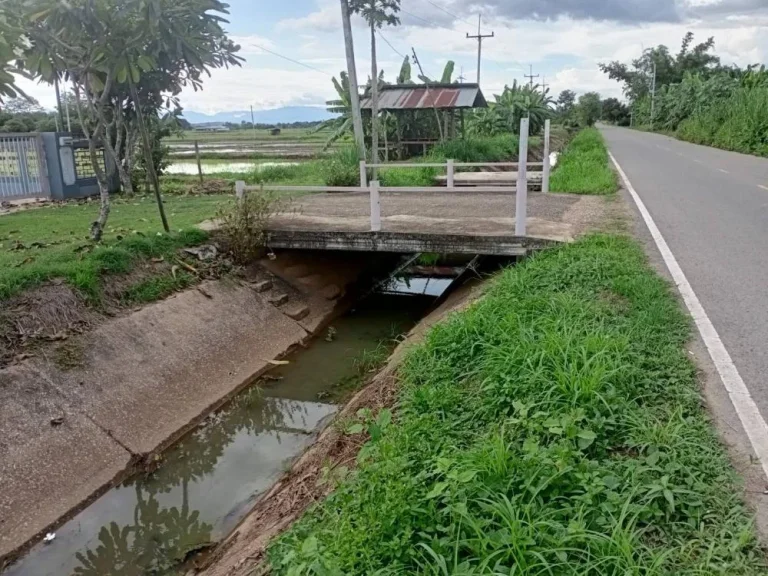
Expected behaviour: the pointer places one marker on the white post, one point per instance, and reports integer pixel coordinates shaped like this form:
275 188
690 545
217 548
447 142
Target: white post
450 173
375 207
521 208
363 175
547 167
240 189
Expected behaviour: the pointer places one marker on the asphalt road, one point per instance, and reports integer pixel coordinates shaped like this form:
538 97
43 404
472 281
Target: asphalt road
711 206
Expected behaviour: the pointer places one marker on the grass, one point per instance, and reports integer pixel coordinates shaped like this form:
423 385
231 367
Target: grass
554 428
49 242
287 134
584 166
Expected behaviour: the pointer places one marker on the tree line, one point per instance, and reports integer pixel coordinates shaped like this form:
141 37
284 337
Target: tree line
697 97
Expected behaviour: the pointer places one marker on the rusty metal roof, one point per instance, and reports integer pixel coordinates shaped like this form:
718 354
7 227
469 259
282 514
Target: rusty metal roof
417 96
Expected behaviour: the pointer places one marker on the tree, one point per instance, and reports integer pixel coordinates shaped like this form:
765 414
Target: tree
565 103
637 77
589 108
10 43
355 112
106 47
615 112
377 13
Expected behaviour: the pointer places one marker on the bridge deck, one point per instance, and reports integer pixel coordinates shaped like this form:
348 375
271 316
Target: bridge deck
466 222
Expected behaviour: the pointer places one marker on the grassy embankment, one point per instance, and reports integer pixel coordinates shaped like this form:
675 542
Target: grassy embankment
584 166
52 242
555 427
738 123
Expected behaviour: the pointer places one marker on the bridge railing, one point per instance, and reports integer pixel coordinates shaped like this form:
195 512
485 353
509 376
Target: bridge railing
374 188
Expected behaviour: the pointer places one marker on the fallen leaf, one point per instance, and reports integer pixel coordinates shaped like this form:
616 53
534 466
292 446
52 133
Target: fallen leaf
278 362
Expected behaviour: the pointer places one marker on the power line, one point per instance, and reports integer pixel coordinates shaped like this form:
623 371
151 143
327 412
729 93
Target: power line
291 60
430 22
395 50
448 12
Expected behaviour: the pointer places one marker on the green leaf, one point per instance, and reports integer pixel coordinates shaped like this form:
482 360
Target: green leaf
437 490
309 546
586 438
122 75
145 63
467 476
384 418
135 74
46 69
355 429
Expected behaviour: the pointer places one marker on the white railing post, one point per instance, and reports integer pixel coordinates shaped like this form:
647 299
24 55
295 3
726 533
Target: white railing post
450 173
521 208
240 189
547 167
375 206
363 175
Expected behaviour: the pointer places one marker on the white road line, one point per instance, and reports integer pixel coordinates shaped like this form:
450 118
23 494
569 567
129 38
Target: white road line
747 410
723 171
763 187
698 161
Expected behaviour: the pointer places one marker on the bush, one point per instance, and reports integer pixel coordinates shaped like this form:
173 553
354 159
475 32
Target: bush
343 168
243 223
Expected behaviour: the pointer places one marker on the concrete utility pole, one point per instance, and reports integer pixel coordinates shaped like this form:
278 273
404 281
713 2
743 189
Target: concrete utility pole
374 101
653 95
479 37
544 85
531 76
354 96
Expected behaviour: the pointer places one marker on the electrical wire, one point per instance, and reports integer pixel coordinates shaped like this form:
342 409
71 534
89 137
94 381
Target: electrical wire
291 60
395 50
448 12
430 22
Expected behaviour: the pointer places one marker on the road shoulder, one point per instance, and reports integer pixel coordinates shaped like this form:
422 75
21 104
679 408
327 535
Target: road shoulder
715 396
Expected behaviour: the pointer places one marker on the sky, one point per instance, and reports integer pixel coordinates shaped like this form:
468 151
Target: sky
563 40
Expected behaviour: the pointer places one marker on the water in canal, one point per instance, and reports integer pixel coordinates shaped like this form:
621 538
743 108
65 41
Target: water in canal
210 480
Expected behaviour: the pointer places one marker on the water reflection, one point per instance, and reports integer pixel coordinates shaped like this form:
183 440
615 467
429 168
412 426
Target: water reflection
204 486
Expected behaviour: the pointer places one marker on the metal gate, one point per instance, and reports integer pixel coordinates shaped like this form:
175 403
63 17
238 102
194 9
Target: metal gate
23 171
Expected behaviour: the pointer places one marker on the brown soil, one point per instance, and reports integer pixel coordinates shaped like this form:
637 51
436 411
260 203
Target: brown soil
242 554
34 319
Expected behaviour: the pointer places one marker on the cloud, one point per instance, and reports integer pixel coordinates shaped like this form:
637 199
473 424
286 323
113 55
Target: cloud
718 8
625 11
326 19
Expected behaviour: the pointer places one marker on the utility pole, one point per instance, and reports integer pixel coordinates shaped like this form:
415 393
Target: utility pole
531 76
374 100
653 95
354 96
544 85
479 37
461 76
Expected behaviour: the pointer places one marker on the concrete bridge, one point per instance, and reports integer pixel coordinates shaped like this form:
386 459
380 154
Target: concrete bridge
458 222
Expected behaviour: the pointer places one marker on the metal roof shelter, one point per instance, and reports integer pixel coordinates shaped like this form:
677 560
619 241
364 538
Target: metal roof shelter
418 97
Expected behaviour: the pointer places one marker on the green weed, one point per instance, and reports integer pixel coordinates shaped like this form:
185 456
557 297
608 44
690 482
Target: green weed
157 288
584 166
549 429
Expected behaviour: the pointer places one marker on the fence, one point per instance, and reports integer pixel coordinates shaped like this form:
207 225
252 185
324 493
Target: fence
23 172
374 188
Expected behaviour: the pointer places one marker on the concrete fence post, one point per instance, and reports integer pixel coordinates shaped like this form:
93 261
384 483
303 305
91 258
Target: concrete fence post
521 208
363 175
547 167
450 173
240 189
375 207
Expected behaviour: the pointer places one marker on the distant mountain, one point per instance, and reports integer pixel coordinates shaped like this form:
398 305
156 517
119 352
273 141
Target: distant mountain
284 115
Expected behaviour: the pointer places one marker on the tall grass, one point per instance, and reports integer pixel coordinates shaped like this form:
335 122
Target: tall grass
584 166
738 123
554 428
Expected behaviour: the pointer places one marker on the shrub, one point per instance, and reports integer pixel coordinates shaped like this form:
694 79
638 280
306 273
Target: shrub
243 223
343 168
